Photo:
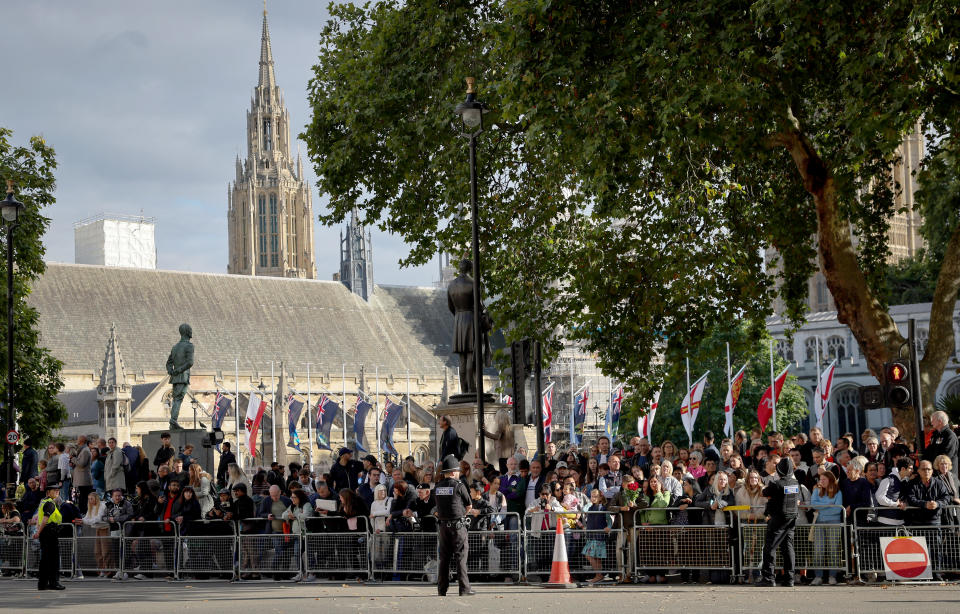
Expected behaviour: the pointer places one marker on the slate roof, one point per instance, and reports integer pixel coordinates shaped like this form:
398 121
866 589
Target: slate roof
253 319
83 403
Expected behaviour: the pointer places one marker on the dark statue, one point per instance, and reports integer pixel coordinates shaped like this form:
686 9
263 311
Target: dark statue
460 301
178 368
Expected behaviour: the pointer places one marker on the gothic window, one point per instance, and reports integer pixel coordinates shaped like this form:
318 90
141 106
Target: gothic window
822 301
810 347
262 222
850 416
836 348
274 238
785 349
267 135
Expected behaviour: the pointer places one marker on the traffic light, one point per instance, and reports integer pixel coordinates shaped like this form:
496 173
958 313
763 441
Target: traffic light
896 383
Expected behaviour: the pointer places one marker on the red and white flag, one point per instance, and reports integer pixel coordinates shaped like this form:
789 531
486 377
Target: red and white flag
765 409
547 413
822 398
690 407
733 395
645 422
255 409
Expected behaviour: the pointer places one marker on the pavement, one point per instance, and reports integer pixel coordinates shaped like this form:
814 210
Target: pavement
149 597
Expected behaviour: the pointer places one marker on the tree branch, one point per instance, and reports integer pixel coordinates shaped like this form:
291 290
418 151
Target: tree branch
940 339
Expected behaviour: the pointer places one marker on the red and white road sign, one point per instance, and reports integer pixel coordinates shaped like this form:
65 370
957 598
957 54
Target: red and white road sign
906 558
13 437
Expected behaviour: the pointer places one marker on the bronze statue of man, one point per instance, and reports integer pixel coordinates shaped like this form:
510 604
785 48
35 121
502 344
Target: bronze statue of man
178 368
460 302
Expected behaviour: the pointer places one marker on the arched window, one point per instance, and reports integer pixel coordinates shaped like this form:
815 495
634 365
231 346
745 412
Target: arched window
274 236
810 349
846 406
785 349
952 389
262 223
836 348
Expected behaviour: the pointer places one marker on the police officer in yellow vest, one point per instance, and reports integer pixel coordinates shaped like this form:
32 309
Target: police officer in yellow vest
48 532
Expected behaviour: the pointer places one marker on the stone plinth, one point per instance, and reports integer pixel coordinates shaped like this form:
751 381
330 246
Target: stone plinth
463 418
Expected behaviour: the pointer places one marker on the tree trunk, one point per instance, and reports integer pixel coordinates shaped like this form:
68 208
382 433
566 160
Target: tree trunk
940 343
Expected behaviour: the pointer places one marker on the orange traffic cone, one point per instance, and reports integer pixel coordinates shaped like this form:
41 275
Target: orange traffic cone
560 570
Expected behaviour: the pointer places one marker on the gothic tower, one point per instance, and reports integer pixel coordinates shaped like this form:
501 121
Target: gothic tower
270 207
114 395
356 259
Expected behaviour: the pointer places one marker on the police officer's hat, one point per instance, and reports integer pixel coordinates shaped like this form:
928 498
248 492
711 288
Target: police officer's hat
785 466
450 463
53 486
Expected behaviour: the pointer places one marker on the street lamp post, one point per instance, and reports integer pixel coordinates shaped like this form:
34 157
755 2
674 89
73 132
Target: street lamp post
10 209
471 113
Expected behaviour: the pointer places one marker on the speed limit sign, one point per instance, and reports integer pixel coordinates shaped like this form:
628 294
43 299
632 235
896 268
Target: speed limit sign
13 437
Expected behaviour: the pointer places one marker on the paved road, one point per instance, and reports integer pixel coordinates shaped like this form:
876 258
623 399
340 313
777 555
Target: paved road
280 597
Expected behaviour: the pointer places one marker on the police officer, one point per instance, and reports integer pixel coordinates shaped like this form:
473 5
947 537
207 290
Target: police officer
453 504
48 532
783 497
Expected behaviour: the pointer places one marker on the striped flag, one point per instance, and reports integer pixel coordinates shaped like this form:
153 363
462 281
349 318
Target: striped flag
733 395
255 409
547 412
645 422
822 398
691 405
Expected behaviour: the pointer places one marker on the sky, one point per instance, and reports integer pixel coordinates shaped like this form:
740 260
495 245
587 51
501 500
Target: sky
145 105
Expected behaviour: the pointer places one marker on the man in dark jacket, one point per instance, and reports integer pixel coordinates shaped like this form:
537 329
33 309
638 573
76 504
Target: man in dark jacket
28 465
243 506
345 472
928 495
226 457
448 439
166 451
942 441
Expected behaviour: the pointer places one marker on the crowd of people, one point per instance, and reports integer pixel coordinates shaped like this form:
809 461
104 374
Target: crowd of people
594 491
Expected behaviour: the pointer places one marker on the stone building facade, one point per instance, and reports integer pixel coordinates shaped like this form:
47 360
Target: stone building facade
270 206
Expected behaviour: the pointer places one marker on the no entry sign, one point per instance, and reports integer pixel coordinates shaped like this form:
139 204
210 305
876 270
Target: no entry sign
906 558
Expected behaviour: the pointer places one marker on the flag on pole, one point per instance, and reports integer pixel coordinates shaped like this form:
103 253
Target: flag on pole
221 407
359 424
255 409
645 422
507 399
765 409
391 414
547 412
327 411
733 395
822 399
613 412
691 404
294 409
578 417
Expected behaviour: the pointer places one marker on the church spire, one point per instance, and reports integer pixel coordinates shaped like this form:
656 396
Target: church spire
267 78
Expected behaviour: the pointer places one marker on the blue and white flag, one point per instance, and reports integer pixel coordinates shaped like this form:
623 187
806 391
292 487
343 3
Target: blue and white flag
359 424
221 408
579 415
327 411
295 408
391 414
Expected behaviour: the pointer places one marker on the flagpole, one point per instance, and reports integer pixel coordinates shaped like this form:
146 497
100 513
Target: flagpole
732 429
689 405
343 394
573 400
236 409
773 390
409 437
273 411
376 411
817 398
309 421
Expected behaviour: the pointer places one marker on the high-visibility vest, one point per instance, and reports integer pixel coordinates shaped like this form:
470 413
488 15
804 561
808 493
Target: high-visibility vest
55 517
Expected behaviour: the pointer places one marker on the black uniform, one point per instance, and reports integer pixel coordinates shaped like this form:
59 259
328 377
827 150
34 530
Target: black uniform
48 572
782 509
453 499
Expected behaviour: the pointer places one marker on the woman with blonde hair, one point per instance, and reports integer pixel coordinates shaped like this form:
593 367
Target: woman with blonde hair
200 480
93 522
236 476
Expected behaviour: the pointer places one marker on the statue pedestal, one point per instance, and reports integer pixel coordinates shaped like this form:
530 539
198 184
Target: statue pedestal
463 418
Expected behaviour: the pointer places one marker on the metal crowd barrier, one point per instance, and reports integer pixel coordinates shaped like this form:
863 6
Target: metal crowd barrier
98 550
676 544
149 549
208 549
821 546
943 541
265 550
404 555
494 551
538 543
13 542
67 538
333 550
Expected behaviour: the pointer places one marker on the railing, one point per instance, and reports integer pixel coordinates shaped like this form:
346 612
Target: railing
337 549
666 538
872 523
602 545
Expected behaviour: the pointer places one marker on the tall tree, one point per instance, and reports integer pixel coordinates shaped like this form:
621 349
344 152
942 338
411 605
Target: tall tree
642 153
36 378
